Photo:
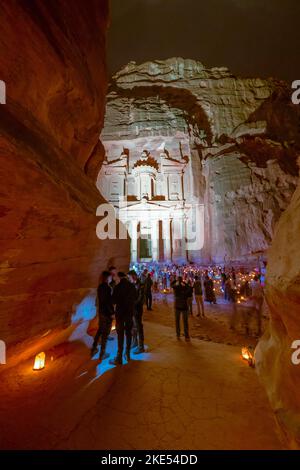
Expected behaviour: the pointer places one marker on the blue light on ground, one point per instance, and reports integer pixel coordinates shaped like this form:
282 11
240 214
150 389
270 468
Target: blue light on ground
86 310
111 349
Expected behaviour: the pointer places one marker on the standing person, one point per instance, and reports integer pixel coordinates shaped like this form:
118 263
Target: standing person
227 288
181 292
209 290
199 297
257 299
233 276
113 274
236 314
138 327
144 276
105 312
113 277
148 291
224 278
190 296
124 297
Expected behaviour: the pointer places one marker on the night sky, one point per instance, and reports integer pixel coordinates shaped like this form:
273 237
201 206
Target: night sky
250 37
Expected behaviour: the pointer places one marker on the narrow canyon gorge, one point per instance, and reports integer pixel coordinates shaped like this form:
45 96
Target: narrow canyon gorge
71 139
242 138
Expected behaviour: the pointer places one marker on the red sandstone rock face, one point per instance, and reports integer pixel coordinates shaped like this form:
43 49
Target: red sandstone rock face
53 62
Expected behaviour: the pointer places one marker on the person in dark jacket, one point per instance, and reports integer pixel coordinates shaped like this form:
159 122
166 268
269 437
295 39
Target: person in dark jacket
113 274
209 290
190 297
124 297
233 276
224 279
148 291
105 313
199 297
181 292
138 327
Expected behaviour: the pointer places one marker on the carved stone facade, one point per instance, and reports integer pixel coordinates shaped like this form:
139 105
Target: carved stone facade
152 192
239 134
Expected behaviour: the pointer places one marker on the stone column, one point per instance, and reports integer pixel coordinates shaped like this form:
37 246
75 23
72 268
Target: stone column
185 237
178 240
155 240
167 239
134 240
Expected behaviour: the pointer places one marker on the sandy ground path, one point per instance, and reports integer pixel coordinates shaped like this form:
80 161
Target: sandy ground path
178 395
215 326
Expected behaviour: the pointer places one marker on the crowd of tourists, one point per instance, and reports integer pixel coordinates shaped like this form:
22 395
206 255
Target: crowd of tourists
123 296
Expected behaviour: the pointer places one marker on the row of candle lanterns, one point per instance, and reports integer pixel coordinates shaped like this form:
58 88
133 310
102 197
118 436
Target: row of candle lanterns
247 355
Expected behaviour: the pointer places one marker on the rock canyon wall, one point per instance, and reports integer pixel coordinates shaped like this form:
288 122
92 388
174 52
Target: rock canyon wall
53 63
240 135
277 354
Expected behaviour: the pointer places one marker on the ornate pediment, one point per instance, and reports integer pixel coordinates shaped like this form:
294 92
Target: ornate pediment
149 161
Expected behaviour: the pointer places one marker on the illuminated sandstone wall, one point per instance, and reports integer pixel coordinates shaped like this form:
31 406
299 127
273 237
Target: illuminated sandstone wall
279 374
242 136
52 58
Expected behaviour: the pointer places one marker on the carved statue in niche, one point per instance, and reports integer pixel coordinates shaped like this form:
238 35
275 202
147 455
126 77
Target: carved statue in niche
173 187
145 186
115 188
144 155
146 159
131 188
159 186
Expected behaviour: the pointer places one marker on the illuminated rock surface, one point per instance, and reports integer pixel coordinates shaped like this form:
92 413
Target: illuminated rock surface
54 68
178 396
274 355
240 135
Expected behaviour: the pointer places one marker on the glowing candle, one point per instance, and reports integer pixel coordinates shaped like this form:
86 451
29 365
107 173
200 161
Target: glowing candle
39 361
